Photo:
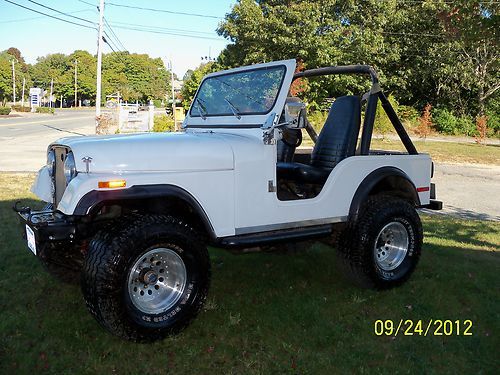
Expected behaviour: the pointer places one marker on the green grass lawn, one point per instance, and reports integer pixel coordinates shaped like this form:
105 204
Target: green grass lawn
441 152
448 152
266 313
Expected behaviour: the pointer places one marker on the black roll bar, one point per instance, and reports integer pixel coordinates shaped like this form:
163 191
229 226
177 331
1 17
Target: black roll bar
371 106
345 69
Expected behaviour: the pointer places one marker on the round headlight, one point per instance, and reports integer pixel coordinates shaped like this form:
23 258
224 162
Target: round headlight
51 162
69 167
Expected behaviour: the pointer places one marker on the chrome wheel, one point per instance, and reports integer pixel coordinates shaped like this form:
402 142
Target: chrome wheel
391 246
157 280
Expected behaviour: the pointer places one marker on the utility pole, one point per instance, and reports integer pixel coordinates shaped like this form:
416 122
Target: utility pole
24 84
173 93
76 74
51 90
99 64
13 82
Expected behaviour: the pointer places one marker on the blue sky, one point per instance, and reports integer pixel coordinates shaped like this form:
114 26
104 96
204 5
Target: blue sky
37 35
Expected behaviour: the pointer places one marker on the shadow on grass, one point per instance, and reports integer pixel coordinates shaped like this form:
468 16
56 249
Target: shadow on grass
266 313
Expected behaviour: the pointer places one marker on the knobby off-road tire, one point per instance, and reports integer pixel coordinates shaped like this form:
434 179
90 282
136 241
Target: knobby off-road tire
382 247
63 262
146 277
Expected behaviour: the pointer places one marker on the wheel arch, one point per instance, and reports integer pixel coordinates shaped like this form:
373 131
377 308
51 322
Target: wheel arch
164 199
387 180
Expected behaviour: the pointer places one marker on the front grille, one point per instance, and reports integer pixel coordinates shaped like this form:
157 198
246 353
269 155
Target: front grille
58 179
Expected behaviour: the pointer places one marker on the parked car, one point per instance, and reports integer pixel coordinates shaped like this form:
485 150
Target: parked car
130 216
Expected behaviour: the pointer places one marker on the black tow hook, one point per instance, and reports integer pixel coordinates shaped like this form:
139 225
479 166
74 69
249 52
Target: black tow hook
21 210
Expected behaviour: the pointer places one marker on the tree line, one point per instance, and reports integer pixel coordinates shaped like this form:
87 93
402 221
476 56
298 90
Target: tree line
438 52
136 76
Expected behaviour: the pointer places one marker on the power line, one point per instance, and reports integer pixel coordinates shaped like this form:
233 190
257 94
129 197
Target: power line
162 10
106 41
37 18
167 33
114 34
63 13
86 2
48 15
162 28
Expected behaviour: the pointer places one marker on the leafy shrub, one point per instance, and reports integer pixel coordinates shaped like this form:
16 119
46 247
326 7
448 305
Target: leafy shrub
4 110
408 115
317 119
424 122
163 123
20 108
382 123
44 110
482 129
466 126
493 114
446 122
157 103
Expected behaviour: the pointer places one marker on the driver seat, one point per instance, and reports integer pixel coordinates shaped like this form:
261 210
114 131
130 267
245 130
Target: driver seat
336 141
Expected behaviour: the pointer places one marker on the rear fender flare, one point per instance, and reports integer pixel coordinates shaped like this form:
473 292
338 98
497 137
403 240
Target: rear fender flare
399 182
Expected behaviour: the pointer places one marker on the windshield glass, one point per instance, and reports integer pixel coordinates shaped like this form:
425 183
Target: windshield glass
242 93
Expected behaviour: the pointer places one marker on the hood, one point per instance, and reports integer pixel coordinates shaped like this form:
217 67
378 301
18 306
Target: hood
151 152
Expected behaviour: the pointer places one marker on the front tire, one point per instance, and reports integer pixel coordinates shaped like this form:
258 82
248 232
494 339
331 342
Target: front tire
381 248
146 278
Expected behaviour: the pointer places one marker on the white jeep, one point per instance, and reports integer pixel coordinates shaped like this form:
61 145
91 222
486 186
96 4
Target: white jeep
131 216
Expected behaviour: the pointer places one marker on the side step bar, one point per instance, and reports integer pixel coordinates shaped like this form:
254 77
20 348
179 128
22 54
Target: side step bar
272 237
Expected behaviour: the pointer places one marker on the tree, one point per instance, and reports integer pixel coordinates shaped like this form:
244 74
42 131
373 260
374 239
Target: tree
56 67
135 76
191 84
424 123
21 68
437 51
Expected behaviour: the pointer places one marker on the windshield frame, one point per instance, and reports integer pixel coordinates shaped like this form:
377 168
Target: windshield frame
192 111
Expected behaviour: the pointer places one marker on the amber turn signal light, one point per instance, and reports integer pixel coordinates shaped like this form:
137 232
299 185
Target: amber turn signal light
111 184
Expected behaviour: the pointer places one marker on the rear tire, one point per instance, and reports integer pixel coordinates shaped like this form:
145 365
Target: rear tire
146 277
381 248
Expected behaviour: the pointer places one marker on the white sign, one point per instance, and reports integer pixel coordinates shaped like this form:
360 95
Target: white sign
36 91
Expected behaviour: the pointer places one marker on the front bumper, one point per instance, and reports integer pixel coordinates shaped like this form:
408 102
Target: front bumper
48 225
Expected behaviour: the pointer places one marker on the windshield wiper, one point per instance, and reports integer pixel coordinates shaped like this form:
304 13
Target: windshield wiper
233 109
201 109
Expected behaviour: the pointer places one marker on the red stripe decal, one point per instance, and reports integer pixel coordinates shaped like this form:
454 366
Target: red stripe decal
424 188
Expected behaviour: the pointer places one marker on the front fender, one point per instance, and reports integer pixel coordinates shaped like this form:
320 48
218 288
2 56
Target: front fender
42 186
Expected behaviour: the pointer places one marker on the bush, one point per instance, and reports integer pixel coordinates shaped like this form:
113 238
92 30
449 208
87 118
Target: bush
424 122
157 103
493 124
4 110
44 110
493 114
163 123
408 114
382 123
466 126
446 122
317 119
20 108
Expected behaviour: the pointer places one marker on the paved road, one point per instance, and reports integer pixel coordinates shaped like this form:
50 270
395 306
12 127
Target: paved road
24 140
469 191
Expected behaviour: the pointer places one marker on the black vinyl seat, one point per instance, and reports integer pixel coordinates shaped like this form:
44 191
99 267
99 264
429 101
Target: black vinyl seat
336 141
